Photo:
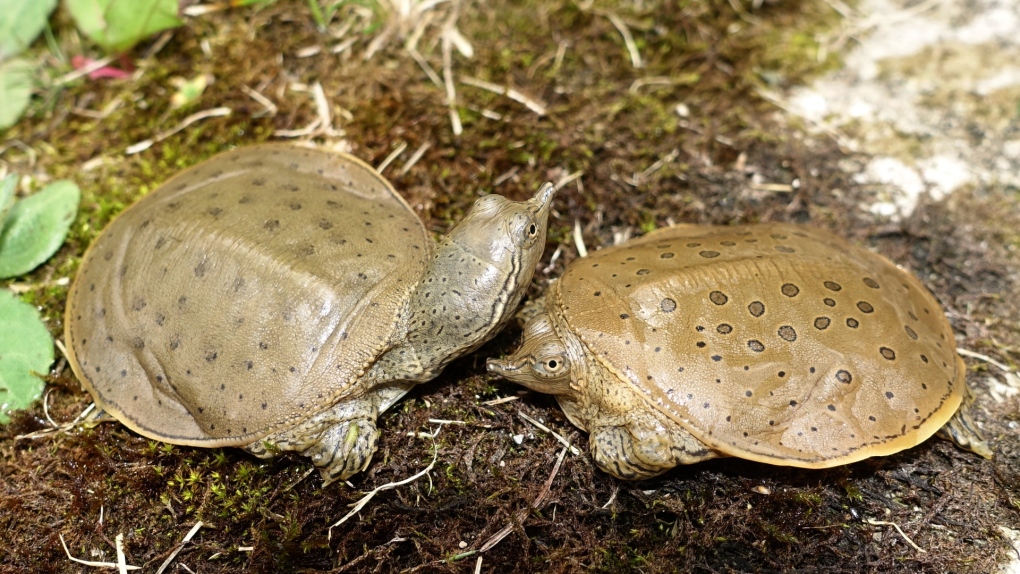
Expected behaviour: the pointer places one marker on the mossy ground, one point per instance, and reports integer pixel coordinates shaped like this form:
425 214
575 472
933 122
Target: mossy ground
612 122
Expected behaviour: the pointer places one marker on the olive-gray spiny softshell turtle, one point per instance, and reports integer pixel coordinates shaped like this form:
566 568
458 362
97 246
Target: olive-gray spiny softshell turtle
775 343
279 298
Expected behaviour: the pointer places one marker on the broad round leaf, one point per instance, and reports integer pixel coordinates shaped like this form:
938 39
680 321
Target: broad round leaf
7 185
25 349
20 23
16 79
36 227
117 25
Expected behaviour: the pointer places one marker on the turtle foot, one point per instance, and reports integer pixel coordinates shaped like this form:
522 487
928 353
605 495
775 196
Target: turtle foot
344 450
637 452
961 430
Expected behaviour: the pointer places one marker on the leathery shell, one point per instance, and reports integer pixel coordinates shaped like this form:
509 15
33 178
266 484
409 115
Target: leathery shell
243 295
775 343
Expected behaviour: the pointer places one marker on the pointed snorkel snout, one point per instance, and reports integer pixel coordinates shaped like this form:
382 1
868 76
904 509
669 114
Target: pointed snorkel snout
542 202
502 367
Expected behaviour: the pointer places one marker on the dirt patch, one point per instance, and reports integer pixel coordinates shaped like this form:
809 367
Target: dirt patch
686 138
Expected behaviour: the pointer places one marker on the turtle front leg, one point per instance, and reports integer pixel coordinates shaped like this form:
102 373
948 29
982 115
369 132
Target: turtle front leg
341 440
644 447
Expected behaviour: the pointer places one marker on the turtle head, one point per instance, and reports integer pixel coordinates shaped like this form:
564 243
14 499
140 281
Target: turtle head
541 363
508 235
475 280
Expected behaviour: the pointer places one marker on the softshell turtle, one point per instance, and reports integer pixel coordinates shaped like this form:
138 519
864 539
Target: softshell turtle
775 343
279 298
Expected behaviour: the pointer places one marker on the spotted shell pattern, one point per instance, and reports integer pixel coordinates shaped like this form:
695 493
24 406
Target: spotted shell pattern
256 320
777 343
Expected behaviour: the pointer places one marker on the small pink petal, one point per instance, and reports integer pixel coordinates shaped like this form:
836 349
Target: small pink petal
80 62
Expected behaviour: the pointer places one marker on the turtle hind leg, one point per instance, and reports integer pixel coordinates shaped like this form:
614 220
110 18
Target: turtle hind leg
341 440
961 430
641 449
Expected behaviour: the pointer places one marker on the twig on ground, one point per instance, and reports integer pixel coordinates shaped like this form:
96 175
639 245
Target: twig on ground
582 249
195 117
523 513
417 155
874 522
531 104
500 401
92 563
121 558
984 358
573 449
389 485
271 108
393 155
628 39
187 538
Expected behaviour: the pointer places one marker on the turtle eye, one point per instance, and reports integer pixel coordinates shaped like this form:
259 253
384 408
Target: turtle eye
552 366
532 229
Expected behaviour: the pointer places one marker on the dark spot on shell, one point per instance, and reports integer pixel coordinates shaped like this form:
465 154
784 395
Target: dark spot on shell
852 323
784 249
748 393
871 418
138 343
324 224
889 395
788 333
724 329
265 346
790 290
271 224
667 305
871 283
264 405
718 297
139 304
624 316
793 403
160 319
910 332
210 356
294 205
887 353
200 269
757 308
175 341
643 271
666 256
700 344
214 211
716 358
912 315
924 358
693 245
829 302
831 408
832 286
822 323
258 181
865 307
756 345
844 376
709 254
706 405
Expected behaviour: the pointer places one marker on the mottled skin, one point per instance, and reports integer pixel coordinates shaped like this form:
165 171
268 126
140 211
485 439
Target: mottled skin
279 298
775 343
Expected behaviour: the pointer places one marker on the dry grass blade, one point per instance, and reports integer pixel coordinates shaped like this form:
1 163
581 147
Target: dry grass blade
531 104
187 538
91 563
573 449
874 522
393 155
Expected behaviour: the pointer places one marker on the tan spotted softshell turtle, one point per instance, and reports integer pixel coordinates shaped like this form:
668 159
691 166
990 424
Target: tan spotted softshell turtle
279 298
776 343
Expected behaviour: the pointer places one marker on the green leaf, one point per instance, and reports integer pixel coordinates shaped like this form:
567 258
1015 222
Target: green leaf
117 25
36 227
16 79
25 348
6 197
20 23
